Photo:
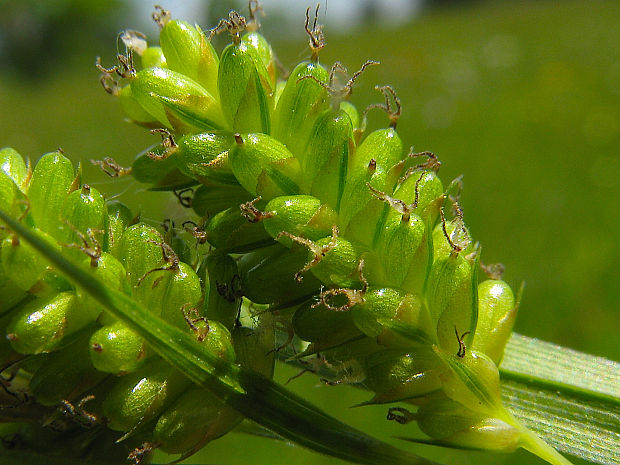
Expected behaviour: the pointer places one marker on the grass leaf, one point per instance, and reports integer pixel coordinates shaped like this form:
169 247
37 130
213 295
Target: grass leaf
570 399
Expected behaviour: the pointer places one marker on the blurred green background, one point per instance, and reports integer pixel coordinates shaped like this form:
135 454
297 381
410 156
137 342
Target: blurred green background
523 98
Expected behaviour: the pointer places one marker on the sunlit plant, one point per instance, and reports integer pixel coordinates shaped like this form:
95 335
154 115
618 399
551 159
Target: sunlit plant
313 239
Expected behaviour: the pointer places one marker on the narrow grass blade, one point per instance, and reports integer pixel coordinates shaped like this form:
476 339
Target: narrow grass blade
556 367
570 399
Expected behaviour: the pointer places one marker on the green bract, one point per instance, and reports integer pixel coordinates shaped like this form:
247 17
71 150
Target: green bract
246 89
176 101
187 51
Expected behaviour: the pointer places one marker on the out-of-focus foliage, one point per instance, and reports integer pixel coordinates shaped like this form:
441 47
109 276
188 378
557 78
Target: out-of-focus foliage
523 99
36 35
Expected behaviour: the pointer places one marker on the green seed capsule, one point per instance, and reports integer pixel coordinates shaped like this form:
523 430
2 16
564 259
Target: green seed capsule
22 263
183 292
473 380
339 265
231 232
142 395
352 352
7 354
254 346
153 57
264 167
394 318
458 234
51 180
300 215
109 271
208 201
218 341
162 173
119 218
279 89
497 311
12 163
404 250
326 158
362 213
11 294
430 193
194 419
452 423
65 375
139 251
451 299
117 349
323 326
83 209
50 282
12 200
351 110
268 276
263 51
246 89
223 299
181 248
205 157
133 109
177 101
44 325
394 376
189 52
300 104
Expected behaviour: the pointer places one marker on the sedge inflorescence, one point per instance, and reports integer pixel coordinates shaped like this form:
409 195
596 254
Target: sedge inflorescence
333 232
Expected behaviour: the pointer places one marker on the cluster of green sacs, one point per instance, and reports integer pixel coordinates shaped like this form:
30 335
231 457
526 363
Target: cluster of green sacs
62 339
294 145
393 324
